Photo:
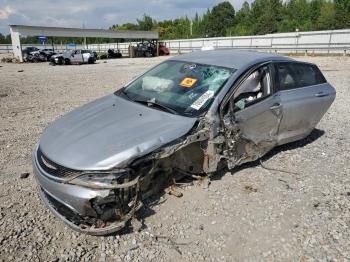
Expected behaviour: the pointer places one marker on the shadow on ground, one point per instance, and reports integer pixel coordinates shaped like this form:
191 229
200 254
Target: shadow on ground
314 135
147 210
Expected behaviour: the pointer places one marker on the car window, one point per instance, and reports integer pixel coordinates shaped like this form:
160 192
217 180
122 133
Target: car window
297 75
186 87
254 88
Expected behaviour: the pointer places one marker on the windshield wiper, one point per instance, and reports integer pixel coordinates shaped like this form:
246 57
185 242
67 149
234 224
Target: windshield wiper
126 95
155 104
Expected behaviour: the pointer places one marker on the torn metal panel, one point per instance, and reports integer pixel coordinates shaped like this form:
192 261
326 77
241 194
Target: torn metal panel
251 133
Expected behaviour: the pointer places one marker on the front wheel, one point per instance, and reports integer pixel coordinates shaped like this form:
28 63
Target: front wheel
60 61
67 61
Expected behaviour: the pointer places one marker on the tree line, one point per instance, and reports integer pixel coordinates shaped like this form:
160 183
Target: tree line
258 18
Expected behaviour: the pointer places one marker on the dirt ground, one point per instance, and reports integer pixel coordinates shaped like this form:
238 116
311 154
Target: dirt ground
249 214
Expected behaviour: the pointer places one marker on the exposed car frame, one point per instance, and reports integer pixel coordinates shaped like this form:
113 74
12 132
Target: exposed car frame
142 163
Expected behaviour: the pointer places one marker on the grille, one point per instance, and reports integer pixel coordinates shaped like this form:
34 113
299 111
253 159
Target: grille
54 169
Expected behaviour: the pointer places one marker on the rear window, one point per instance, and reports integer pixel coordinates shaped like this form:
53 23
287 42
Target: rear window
297 75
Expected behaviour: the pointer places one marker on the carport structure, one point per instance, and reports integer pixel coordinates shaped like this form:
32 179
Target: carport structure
18 30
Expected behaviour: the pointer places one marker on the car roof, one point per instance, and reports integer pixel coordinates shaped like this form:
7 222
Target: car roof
229 58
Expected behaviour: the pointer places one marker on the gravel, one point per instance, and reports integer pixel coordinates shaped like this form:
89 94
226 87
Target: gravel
248 214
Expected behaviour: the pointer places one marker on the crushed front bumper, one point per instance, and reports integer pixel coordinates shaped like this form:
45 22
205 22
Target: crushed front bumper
67 200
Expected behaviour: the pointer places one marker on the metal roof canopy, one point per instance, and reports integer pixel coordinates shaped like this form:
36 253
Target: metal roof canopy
17 30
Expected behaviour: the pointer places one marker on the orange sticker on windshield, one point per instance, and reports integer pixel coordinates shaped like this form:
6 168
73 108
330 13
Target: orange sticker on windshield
188 82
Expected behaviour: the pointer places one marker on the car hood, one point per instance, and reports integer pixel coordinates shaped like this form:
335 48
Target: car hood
110 132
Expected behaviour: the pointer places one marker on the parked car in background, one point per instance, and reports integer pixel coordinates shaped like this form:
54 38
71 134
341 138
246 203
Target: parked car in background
48 52
35 57
57 59
29 49
34 54
80 56
111 53
190 115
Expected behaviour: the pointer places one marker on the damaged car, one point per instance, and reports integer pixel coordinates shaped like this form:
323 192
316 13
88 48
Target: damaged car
191 115
74 57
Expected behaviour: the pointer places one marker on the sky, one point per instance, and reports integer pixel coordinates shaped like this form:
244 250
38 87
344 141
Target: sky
97 13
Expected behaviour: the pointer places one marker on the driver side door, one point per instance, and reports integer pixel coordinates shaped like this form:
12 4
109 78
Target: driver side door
252 130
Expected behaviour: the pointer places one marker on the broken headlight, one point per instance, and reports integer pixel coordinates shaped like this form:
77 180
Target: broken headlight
102 179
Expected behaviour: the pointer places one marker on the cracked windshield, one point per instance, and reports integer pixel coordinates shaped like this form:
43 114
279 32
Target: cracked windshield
179 87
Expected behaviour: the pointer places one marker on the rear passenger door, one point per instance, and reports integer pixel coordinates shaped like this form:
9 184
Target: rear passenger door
305 97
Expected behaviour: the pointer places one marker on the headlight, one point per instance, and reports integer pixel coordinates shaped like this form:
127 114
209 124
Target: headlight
102 179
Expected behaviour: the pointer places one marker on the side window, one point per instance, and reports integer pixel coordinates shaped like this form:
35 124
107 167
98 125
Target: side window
285 76
308 75
297 75
254 88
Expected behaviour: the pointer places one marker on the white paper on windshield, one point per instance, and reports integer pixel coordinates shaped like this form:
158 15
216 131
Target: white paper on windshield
202 99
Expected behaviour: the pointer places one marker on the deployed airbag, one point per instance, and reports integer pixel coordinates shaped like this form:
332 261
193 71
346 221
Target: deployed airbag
154 83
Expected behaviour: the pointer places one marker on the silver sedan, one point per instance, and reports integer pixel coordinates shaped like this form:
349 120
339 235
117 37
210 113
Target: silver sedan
190 115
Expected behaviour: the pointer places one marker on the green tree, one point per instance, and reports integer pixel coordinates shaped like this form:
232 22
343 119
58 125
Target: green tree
296 15
342 13
2 39
220 18
266 15
315 10
127 26
327 18
261 17
197 29
146 23
243 23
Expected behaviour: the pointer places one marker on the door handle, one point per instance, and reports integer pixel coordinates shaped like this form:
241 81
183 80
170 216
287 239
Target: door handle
321 94
275 106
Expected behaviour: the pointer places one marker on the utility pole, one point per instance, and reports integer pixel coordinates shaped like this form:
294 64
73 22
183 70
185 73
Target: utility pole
191 24
84 36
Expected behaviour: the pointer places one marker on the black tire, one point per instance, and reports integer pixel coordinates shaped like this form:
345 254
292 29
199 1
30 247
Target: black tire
67 61
91 60
60 61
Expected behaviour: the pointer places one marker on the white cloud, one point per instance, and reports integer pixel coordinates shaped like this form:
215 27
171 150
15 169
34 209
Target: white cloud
6 12
111 17
97 13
